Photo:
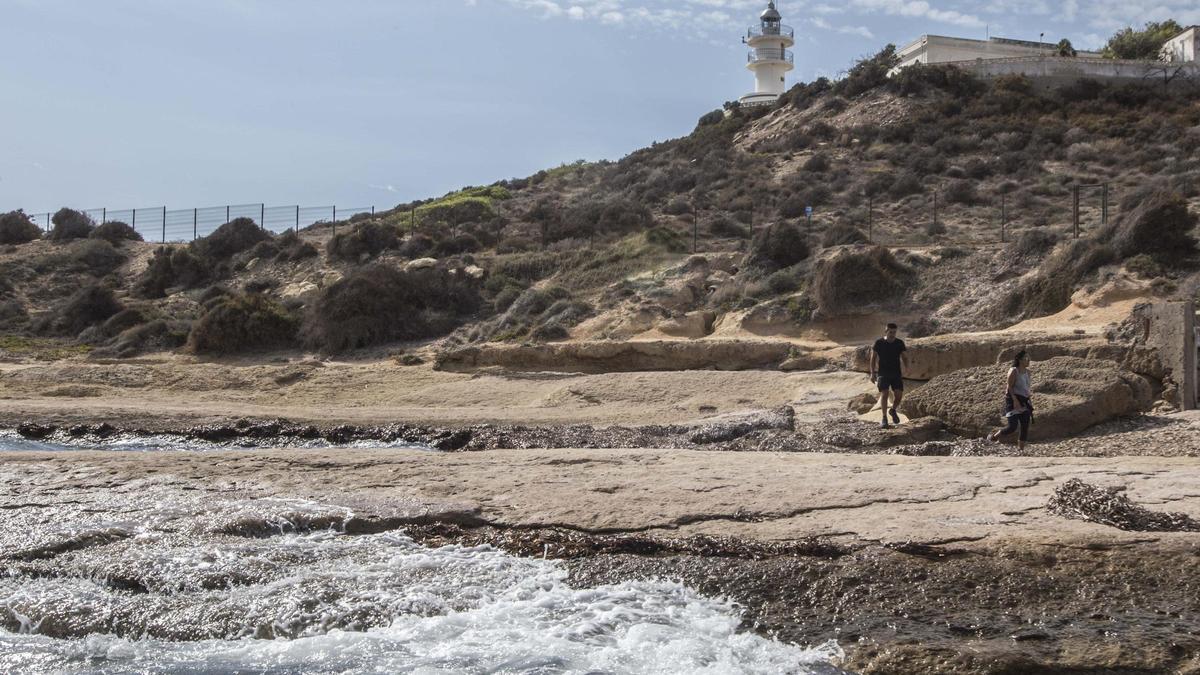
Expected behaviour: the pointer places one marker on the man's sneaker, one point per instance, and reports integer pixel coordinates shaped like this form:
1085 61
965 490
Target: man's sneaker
883 424
895 416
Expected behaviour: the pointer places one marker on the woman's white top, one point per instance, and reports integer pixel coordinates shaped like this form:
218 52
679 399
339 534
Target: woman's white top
1021 382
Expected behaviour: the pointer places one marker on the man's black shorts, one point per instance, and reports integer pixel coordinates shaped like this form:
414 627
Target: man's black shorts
893 382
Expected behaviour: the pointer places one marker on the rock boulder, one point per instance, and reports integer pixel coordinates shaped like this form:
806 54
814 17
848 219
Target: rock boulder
1069 395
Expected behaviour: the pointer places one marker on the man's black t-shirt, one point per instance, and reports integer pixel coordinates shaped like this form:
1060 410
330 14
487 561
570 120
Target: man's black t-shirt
889 356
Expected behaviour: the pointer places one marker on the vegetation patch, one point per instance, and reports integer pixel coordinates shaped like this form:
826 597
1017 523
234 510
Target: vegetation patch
243 323
376 304
70 224
17 228
115 232
859 278
88 306
365 240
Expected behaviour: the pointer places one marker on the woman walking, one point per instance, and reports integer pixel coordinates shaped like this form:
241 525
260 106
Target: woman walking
1018 408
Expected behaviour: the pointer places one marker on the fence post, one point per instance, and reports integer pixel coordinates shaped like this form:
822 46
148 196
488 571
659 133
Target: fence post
227 213
194 211
134 223
1075 214
164 225
47 222
103 215
296 227
412 223
262 215
372 210
870 218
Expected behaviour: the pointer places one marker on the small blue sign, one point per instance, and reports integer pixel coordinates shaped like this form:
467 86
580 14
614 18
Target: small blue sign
808 211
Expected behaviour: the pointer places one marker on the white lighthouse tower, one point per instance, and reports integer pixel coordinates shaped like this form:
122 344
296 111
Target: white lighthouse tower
769 57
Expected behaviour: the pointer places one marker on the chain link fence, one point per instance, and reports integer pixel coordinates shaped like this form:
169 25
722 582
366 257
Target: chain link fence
183 225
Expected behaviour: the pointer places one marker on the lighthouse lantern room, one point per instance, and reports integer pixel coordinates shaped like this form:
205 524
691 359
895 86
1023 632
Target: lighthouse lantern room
769 57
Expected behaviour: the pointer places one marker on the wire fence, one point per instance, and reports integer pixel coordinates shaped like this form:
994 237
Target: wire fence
183 225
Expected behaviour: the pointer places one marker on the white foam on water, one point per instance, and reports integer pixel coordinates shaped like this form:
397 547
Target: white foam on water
11 441
447 610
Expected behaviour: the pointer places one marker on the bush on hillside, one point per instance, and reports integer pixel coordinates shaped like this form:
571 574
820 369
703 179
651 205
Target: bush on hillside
365 240
818 163
1031 243
157 335
70 224
88 306
17 228
1144 44
710 118
170 268
777 246
724 226
961 192
1159 224
416 246
904 185
292 248
376 304
1050 289
94 256
920 78
456 245
12 314
843 234
115 232
857 279
241 323
868 73
239 234
539 314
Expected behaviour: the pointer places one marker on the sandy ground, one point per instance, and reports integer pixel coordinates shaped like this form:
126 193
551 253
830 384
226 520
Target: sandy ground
176 390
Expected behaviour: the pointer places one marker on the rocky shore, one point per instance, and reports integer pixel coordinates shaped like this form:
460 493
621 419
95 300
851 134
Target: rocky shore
914 564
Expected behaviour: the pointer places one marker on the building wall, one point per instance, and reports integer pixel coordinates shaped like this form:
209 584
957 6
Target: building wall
1057 70
1182 47
1170 329
941 49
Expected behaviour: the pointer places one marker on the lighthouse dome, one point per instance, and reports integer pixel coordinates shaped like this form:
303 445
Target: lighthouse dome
770 13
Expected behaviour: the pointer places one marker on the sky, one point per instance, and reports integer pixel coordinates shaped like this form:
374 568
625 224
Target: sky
193 103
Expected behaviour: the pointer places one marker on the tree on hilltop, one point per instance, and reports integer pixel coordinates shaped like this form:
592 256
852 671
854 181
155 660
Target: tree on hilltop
1142 45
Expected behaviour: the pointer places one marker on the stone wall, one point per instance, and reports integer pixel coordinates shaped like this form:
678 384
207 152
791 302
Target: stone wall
1170 329
1058 70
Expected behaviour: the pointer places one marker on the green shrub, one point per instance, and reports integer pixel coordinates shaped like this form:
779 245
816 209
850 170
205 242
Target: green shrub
1144 266
115 232
376 304
843 234
778 246
291 248
457 245
17 228
859 278
70 224
168 268
710 118
88 306
241 323
416 246
1144 44
868 73
365 240
239 234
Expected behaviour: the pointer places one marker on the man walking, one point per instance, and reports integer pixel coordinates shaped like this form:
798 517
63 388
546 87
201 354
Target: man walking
887 370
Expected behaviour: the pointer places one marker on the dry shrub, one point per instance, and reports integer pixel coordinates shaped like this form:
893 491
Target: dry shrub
88 306
777 246
843 234
17 228
857 278
93 256
366 240
70 224
240 323
169 268
158 335
539 314
1030 244
377 304
114 325
12 314
239 234
1049 291
1157 224
293 249
115 232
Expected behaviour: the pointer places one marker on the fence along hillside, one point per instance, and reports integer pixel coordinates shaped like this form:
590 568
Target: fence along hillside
183 225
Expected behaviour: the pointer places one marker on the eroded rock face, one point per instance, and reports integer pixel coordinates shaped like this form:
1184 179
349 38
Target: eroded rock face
1069 395
934 356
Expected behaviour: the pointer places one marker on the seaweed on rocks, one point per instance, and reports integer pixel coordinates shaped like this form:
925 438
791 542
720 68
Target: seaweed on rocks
1078 500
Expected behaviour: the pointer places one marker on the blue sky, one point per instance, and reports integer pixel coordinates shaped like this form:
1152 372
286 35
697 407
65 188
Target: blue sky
139 103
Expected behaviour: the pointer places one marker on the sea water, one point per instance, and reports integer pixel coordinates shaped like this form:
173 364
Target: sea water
157 576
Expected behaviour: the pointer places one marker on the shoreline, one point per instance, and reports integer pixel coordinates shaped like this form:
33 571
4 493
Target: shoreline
946 564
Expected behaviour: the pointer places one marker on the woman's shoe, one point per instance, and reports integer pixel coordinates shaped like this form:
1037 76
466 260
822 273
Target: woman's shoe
992 437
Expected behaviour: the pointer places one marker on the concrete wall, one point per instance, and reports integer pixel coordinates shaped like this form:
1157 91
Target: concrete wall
940 49
1055 70
1170 328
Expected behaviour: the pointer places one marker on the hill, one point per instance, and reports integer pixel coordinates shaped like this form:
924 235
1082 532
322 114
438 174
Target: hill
936 197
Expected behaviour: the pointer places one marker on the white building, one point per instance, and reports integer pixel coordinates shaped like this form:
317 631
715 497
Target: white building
769 57
941 49
1182 47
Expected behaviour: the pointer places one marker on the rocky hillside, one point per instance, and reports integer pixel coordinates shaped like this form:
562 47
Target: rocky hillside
701 235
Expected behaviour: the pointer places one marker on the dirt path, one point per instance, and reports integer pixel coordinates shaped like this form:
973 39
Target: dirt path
179 390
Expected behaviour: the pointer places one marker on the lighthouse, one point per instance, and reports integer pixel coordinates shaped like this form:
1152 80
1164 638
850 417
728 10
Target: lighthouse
769 57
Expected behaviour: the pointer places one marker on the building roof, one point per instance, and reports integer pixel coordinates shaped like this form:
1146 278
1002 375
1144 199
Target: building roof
770 13
1184 32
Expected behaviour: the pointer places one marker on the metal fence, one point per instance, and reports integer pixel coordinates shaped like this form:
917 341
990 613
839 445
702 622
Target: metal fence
181 225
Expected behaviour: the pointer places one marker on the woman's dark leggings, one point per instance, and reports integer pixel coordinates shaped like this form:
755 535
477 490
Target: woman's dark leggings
1021 420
